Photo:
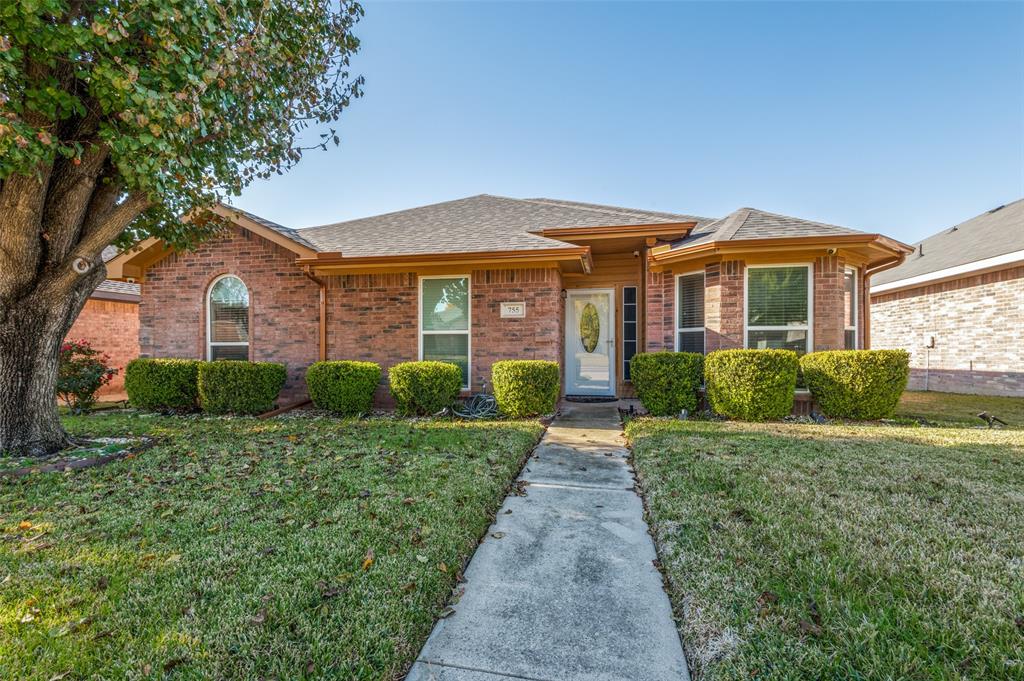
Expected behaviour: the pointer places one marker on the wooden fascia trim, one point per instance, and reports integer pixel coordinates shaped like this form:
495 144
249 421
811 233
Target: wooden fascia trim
324 262
665 254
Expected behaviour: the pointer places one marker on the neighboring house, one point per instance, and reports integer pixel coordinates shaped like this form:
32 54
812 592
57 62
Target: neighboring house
487 278
110 322
957 304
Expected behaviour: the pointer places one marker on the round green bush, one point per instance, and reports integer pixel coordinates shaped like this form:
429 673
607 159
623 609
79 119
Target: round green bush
525 387
667 382
424 387
344 387
752 385
162 384
857 384
239 387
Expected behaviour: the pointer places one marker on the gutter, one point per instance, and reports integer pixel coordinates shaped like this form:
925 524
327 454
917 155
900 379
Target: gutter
323 310
868 272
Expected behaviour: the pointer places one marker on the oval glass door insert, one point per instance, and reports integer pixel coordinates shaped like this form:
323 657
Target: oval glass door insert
590 327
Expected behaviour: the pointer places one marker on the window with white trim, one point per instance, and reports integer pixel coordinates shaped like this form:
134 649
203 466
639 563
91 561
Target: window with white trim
445 321
690 312
778 302
227 319
850 308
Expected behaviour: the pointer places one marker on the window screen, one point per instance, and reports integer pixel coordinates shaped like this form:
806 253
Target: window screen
690 313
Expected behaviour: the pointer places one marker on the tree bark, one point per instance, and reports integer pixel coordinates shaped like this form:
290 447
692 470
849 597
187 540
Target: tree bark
32 329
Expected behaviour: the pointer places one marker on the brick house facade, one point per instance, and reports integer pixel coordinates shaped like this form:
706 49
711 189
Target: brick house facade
957 305
532 268
110 322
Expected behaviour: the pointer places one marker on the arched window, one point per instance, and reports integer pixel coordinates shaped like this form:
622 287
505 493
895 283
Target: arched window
227 319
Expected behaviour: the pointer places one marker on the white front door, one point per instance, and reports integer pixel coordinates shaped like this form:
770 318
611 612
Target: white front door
590 342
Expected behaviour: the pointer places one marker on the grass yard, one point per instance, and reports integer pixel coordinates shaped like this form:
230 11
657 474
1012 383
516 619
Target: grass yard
857 552
956 408
290 548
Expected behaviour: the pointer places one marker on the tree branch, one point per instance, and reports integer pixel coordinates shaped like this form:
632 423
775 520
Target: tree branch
71 190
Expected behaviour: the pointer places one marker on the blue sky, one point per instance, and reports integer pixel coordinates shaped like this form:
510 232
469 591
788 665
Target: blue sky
896 117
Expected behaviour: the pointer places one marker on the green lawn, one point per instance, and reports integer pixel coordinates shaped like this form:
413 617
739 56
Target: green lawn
956 408
241 549
855 552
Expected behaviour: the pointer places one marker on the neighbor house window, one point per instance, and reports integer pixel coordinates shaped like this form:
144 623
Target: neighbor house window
690 312
779 307
445 322
629 328
850 308
227 319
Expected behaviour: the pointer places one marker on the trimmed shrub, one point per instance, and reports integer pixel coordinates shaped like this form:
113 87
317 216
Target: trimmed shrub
162 384
525 387
857 384
667 382
752 385
424 387
229 386
344 387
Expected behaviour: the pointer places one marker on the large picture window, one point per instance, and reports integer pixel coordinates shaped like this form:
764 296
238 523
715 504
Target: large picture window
227 319
850 308
779 307
690 312
445 321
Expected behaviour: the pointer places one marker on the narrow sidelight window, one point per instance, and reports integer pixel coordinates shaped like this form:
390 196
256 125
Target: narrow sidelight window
850 308
445 321
779 307
690 312
629 327
227 319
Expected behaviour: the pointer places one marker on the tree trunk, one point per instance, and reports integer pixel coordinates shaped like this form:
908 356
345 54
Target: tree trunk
32 330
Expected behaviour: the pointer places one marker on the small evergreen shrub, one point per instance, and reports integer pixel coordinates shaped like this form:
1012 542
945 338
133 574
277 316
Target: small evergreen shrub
344 387
239 387
667 382
752 385
525 387
82 371
162 384
424 387
857 384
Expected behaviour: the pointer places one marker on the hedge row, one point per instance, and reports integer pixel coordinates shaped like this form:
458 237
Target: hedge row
221 387
758 385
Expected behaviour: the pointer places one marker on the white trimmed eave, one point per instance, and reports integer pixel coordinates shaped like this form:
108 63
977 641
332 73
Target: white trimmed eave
954 272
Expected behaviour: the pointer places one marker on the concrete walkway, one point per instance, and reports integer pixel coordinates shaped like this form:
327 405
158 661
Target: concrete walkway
563 587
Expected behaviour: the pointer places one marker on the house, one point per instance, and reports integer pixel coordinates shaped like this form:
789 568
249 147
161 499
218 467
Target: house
957 304
486 278
110 322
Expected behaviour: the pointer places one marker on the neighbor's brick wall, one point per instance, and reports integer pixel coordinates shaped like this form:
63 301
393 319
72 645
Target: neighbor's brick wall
976 322
111 326
283 304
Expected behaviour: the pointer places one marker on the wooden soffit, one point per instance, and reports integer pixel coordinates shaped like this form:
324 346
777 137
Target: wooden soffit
568 259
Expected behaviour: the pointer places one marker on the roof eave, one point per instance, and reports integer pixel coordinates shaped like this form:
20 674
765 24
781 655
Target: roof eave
666 254
336 262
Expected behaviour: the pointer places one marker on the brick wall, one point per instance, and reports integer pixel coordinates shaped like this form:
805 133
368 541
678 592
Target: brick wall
283 304
976 322
537 336
724 309
111 326
829 297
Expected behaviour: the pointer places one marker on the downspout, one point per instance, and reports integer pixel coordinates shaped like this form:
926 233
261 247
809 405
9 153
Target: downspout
323 310
868 272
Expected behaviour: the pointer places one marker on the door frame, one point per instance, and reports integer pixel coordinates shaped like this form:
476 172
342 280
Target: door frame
613 353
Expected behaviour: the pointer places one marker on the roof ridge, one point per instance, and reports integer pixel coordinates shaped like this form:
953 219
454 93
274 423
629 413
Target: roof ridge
791 217
733 222
601 208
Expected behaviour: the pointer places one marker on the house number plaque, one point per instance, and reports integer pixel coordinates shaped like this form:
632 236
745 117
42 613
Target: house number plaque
513 310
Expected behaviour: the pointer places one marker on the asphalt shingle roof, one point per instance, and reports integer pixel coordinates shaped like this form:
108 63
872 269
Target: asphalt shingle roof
750 223
290 233
120 287
476 223
995 232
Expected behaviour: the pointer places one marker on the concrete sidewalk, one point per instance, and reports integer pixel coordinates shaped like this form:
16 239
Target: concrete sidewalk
563 587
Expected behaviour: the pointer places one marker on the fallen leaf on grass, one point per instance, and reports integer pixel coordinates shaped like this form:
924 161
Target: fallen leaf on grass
24 525
368 560
62 675
809 628
421 558
260 617
442 567
408 586
174 662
